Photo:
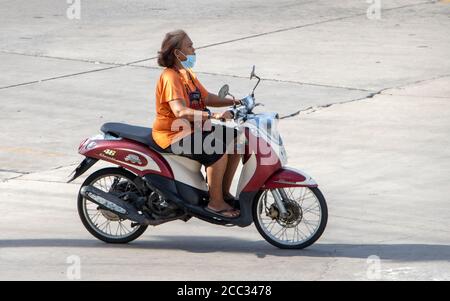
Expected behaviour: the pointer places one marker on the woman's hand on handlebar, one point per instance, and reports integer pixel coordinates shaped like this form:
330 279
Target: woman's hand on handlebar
224 115
237 102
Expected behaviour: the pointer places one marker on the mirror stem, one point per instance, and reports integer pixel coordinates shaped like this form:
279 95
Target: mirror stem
259 79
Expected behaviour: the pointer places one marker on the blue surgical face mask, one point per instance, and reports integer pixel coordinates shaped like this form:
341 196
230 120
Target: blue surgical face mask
189 62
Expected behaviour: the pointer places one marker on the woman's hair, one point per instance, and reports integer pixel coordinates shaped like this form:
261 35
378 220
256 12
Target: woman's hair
172 41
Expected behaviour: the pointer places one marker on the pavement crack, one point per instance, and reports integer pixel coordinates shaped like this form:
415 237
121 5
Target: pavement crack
284 81
63 166
417 96
58 77
266 79
415 83
13 178
59 58
21 174
371 95
313 109
14 171
301 26
111 66
45 181
117 65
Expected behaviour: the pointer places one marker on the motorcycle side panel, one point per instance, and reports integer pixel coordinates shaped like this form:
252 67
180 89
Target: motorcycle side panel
131 155
186 170
260 162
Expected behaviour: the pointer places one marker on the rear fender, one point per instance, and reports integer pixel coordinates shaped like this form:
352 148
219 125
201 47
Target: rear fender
134 156
82 168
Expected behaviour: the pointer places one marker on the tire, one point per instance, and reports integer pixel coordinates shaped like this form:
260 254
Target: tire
304 243
82 207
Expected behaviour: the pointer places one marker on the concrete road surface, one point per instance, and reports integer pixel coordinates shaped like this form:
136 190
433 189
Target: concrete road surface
365 93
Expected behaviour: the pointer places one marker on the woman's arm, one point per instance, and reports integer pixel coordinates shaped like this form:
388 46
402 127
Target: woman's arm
215 101
180 110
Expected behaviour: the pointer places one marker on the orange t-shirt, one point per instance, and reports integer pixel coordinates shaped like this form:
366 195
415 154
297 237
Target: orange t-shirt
173 85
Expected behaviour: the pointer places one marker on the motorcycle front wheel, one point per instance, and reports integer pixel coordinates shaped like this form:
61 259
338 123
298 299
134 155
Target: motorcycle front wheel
305 220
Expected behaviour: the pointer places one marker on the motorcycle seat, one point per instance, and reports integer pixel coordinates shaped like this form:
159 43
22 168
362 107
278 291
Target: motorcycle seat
132 132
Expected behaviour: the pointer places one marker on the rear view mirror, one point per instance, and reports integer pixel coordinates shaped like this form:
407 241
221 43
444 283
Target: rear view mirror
252 74
223 92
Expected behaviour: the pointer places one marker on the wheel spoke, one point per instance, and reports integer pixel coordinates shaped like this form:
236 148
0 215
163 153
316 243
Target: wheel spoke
310 230
276 234
117 228
101 225
102 184
110 231
122 228
291 192
96 216
313 212
274 222
312 208
311 224
105 228
299 238
300 231
282 231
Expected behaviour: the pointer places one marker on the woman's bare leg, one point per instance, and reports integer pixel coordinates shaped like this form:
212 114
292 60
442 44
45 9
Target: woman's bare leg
232 164
215 174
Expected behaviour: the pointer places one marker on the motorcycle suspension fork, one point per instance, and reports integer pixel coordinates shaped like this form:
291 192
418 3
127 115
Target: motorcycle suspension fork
279 195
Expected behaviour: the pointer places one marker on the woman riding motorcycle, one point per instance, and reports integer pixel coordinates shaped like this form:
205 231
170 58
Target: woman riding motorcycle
181 96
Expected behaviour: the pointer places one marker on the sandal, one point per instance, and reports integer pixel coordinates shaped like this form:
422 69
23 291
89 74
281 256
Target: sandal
220 212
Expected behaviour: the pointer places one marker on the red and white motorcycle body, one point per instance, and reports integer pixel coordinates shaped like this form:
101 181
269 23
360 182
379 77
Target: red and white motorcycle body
166 186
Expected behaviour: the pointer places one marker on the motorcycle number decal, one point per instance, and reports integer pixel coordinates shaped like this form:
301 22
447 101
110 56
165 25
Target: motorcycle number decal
109 152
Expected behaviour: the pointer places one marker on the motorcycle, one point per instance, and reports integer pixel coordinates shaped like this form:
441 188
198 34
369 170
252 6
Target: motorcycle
152 186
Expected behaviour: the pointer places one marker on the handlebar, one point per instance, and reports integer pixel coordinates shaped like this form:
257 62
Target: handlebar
246 107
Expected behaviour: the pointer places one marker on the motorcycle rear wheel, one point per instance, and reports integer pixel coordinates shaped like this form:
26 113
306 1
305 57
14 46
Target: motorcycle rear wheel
104 224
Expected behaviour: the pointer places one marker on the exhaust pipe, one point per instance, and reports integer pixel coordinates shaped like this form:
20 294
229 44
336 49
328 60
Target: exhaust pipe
113 204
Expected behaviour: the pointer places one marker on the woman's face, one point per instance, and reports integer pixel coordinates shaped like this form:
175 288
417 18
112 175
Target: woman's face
187 48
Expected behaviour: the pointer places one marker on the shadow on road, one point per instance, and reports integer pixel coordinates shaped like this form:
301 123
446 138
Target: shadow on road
212 244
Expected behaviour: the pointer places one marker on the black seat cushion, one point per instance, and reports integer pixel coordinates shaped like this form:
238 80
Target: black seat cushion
132 132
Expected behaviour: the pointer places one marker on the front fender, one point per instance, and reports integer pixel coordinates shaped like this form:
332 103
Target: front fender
289 177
